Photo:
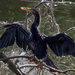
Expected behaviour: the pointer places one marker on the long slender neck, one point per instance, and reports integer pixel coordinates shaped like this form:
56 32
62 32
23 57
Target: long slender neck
34 30
36 19
36 22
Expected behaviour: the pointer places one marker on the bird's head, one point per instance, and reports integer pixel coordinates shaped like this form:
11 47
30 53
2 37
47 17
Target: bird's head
36 14
34 11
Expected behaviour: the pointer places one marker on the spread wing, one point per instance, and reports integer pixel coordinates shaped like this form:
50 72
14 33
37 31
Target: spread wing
12 33
61 44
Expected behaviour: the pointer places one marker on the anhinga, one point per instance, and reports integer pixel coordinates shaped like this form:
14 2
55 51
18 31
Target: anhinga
61 44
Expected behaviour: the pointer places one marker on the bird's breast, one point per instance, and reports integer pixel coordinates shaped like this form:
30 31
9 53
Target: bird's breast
38 48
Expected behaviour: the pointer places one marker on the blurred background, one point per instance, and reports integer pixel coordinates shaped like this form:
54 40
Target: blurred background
55 18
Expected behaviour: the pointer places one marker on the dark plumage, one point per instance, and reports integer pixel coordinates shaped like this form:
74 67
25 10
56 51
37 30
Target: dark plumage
60 44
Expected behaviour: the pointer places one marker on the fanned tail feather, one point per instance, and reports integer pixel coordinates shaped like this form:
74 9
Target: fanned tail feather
50 63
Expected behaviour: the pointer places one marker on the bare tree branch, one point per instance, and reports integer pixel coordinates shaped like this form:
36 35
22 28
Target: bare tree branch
19 70
30 70
59 71
29 65
72 28
65 2
47 68
11 65
35 65
6 58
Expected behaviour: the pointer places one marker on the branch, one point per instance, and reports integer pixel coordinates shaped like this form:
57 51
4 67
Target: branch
47 68
59 71
65 2
20 70
11 65
6 58
29 65
72 28
35 65
30 70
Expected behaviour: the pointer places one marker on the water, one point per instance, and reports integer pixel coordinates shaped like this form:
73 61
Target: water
63 18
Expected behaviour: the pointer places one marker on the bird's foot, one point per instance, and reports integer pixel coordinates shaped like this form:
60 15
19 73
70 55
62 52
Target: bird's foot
32 58
40 64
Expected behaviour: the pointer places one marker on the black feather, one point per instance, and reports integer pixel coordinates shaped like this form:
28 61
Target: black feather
8 38
14 31
61 44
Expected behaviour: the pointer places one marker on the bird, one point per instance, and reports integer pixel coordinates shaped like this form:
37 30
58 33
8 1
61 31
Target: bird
61 44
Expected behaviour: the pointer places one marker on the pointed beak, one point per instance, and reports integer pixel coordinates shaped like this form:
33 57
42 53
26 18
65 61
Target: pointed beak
28 9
